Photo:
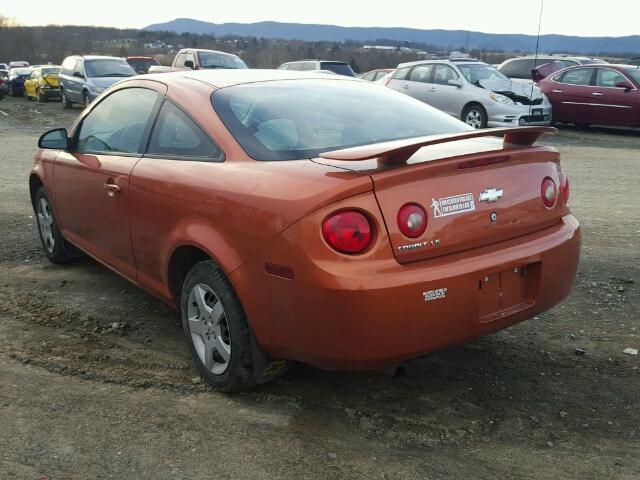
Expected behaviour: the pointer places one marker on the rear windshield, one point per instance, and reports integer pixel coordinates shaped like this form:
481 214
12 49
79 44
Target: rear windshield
108 67
298 119
50 71
220 60
339 68
21 72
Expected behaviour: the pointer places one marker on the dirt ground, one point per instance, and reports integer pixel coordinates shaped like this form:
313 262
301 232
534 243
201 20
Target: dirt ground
552 398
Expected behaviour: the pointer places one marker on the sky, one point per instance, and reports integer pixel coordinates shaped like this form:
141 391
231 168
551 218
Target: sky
568 17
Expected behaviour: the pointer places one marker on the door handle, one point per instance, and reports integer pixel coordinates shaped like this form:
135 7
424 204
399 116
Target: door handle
111 188
597 94
556 91
431 90
405 87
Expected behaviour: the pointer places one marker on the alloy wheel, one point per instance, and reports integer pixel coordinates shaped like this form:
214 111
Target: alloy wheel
474 118
209 329
45 222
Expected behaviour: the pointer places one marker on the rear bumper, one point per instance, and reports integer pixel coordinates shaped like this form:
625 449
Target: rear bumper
333 317
519 115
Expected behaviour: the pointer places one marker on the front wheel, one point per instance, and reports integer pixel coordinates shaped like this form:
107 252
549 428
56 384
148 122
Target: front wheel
216 328
39 96
87 98
66 103
54 245
475 116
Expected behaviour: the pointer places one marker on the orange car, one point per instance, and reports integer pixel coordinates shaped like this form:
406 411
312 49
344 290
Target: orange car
307 217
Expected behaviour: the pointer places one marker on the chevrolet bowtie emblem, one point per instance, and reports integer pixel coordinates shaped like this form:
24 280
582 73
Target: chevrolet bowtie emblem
491 195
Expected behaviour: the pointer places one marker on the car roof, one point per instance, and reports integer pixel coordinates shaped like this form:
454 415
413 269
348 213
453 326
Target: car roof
219 78
316 60
96 57
466 61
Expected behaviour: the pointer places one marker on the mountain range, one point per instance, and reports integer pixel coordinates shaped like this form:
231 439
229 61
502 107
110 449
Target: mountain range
453 39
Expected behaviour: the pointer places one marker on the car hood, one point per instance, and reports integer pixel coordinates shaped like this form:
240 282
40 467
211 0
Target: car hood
105 82
511 89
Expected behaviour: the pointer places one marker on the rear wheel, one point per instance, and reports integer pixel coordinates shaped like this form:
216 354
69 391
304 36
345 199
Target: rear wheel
475 116
39 96
54 245
216 328
66 103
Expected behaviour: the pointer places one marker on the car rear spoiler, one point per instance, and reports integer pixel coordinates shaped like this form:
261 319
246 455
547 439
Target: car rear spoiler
399 151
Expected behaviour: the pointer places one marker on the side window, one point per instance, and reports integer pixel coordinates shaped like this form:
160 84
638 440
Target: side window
369 76
79 68
180 59
443 74
421 73
176 135
309 66
192 57
295 66
68 65
579 76
34 75
118 123
606 77
401 73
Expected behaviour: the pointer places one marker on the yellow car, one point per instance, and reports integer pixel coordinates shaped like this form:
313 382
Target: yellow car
42 85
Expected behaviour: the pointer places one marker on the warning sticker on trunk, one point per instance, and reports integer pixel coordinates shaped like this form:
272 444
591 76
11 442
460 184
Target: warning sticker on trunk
453 205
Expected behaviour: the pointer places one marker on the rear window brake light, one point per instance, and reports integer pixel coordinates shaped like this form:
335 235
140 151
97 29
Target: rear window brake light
483 162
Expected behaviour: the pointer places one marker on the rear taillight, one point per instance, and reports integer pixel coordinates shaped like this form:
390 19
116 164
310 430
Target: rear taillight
412 220
549 192
564 188
348 231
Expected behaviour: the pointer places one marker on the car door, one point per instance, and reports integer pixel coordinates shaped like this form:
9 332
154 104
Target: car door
612 105
76 82
570 94
444 96
30 84
179 151
91 180
418 83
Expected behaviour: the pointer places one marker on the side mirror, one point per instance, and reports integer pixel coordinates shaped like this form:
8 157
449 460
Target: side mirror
624 85
455 82
56 139
189 64
78 75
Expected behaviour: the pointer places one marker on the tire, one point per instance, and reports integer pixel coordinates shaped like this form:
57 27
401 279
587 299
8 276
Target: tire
54 245
475 116
66 103
86 98
39 97
222 329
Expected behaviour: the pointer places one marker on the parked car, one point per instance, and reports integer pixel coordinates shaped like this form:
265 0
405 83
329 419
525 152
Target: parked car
374 75
42 84
634 61
4 90
472 91
4 66
261 204
340 68
200 59
142 64
83 77
595 94
520 69
17 77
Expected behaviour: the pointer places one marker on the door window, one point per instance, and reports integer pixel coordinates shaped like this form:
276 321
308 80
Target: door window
176 135
443 74
191 57
68 66
401 73
79 68
118 123
421 73
606 77
180 59
579 76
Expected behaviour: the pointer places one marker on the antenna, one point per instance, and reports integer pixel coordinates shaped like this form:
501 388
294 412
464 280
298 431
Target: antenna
535 60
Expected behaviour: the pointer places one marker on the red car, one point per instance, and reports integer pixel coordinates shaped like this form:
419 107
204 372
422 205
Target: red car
297 216
595 94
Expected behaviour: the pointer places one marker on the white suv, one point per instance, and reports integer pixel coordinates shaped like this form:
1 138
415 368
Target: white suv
472 91
340 68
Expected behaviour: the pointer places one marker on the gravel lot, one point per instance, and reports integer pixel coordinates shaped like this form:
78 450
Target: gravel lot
96 381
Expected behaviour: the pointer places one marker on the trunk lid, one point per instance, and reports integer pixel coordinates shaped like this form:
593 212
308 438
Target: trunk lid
51 79
478 192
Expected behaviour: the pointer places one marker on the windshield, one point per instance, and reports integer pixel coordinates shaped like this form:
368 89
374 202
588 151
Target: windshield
220 60
50 71
634 73
142 65
593 62
20 72
108 67
339 68
298 119
476 72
